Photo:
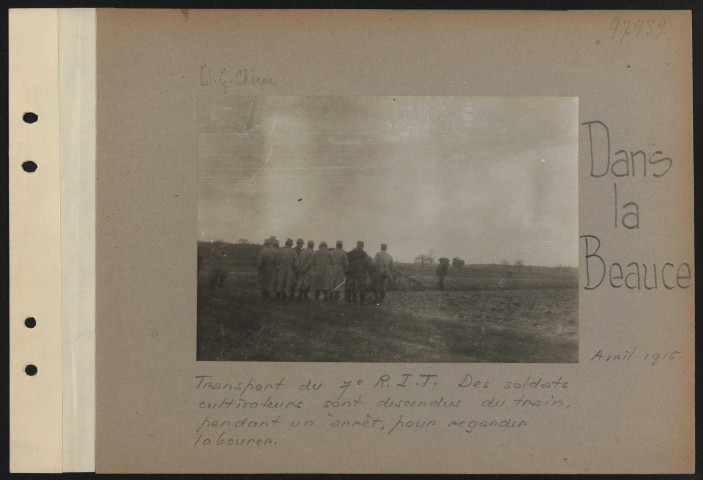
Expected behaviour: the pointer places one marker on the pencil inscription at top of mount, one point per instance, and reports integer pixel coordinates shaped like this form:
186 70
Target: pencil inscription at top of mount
225 78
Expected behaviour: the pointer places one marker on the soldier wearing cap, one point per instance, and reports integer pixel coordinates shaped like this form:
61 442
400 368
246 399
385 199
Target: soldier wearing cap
442 271
218 266
285 263
321 262
304 278
338 270
299 246
264 267
297 249
359 266
383 266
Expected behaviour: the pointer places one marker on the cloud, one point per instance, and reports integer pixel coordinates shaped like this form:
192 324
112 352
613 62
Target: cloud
481 178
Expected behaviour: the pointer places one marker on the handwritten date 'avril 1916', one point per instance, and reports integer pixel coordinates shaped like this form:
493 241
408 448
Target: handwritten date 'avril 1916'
634 354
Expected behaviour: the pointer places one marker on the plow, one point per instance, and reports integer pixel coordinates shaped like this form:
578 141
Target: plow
398 276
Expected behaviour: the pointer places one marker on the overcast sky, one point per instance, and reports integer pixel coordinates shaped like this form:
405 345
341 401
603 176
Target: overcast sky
481 178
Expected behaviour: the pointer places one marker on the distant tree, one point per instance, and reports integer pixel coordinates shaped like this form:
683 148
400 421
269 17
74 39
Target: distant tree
243 241
458 263
505 264
422 260
518 264
425 259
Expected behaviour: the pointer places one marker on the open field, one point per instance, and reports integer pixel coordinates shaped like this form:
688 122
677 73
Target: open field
485 314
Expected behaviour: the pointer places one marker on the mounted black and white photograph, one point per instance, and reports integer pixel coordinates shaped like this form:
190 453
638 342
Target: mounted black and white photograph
387 229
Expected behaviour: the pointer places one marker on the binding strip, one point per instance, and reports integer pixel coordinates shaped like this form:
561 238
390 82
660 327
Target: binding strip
35 243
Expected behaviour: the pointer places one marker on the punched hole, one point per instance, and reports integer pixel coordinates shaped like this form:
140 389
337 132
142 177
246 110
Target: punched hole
30 370
30 117
29 166
30 322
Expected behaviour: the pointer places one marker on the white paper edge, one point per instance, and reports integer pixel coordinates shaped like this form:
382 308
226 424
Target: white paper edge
77 36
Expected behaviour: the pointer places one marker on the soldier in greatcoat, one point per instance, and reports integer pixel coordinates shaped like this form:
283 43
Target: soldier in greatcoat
338 270
285 264
218 266
299 247
264 267
321 262
441 272
383 266
304 279
357 280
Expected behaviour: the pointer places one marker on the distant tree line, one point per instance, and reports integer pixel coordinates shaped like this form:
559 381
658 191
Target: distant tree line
429 259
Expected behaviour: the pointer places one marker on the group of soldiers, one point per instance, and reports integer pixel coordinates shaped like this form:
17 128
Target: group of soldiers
288 273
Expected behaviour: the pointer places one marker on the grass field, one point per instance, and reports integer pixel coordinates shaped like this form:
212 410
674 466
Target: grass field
485 314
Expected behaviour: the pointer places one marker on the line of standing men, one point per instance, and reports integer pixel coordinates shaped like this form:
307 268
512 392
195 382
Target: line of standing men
288 273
